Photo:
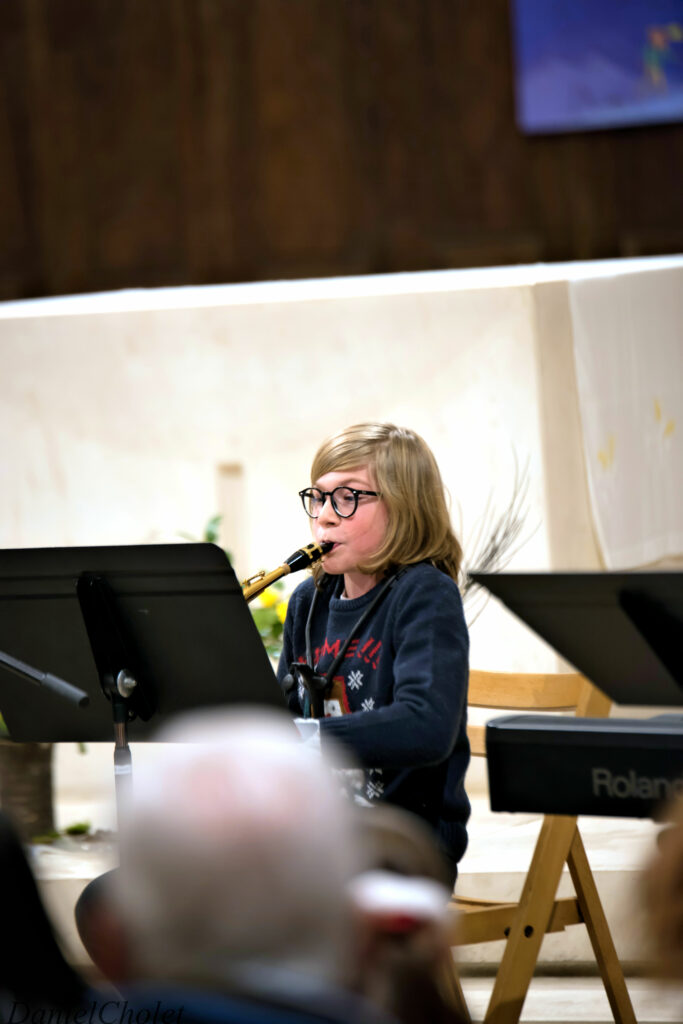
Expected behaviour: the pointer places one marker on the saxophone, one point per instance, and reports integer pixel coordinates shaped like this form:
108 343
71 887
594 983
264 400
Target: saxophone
301 559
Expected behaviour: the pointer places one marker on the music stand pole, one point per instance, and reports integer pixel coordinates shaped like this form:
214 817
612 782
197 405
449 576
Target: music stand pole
123 759
121 682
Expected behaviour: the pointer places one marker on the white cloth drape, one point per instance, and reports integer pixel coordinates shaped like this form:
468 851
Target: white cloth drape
628 347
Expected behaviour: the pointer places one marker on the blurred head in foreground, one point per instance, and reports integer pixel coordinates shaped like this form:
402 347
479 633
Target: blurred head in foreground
662 887
236 853
34 974
404 928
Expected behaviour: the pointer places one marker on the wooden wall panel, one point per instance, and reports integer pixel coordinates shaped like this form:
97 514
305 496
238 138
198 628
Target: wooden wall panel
19 250
214 50
305 173
196 141
104 131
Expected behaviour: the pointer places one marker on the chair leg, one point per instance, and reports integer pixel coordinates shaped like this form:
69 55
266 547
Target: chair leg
531 920
600 935
451 990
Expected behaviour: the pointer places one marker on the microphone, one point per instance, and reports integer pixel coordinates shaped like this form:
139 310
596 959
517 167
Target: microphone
307 555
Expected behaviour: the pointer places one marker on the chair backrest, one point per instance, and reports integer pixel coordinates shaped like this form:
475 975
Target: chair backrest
530 691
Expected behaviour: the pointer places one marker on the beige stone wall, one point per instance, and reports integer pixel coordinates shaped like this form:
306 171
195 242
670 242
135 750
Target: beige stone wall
134 425
133 417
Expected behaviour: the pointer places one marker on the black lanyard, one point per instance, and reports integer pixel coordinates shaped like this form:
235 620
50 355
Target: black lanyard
315 685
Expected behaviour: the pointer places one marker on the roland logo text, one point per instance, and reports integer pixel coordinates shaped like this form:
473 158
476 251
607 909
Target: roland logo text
631 785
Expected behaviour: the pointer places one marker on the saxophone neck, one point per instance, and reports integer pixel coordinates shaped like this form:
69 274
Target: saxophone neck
301 559
256 584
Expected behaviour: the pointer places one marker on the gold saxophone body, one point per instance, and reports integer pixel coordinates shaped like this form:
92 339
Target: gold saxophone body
301 559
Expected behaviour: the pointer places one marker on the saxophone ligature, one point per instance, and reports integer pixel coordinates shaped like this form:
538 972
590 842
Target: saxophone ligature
301 559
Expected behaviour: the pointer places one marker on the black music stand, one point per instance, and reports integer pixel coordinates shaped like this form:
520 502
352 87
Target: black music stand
622 630
142 633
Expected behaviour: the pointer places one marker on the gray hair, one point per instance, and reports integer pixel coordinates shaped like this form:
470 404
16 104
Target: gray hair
236 853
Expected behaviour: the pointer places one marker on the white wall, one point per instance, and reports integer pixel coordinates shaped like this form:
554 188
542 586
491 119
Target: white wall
135 416
114 426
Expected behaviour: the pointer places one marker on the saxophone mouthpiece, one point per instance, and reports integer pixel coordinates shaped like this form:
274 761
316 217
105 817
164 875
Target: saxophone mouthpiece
307 555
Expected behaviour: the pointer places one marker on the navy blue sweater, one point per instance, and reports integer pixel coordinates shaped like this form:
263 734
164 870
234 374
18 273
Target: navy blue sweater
400 694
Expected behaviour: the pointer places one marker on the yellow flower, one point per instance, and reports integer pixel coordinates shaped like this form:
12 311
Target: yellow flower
268 599
281 610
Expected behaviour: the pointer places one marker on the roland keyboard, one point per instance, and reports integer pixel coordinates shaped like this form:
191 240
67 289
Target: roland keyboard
616 767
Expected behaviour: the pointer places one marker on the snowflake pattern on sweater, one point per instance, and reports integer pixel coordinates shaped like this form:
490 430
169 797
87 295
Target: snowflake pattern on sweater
399 697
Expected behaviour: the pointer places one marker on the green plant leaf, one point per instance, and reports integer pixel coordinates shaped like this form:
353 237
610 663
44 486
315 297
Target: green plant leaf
79 828
212 529
45 838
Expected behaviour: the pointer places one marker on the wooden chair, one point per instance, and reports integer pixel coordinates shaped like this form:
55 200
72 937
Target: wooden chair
539 910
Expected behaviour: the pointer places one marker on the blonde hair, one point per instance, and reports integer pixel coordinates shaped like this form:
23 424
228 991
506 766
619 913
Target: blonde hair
407 476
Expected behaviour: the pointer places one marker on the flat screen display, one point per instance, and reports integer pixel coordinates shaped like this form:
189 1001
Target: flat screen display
585 65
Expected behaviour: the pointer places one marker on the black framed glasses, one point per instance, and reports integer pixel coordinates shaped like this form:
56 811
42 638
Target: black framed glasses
344 500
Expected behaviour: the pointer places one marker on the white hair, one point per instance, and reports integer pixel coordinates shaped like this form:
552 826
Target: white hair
236 851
